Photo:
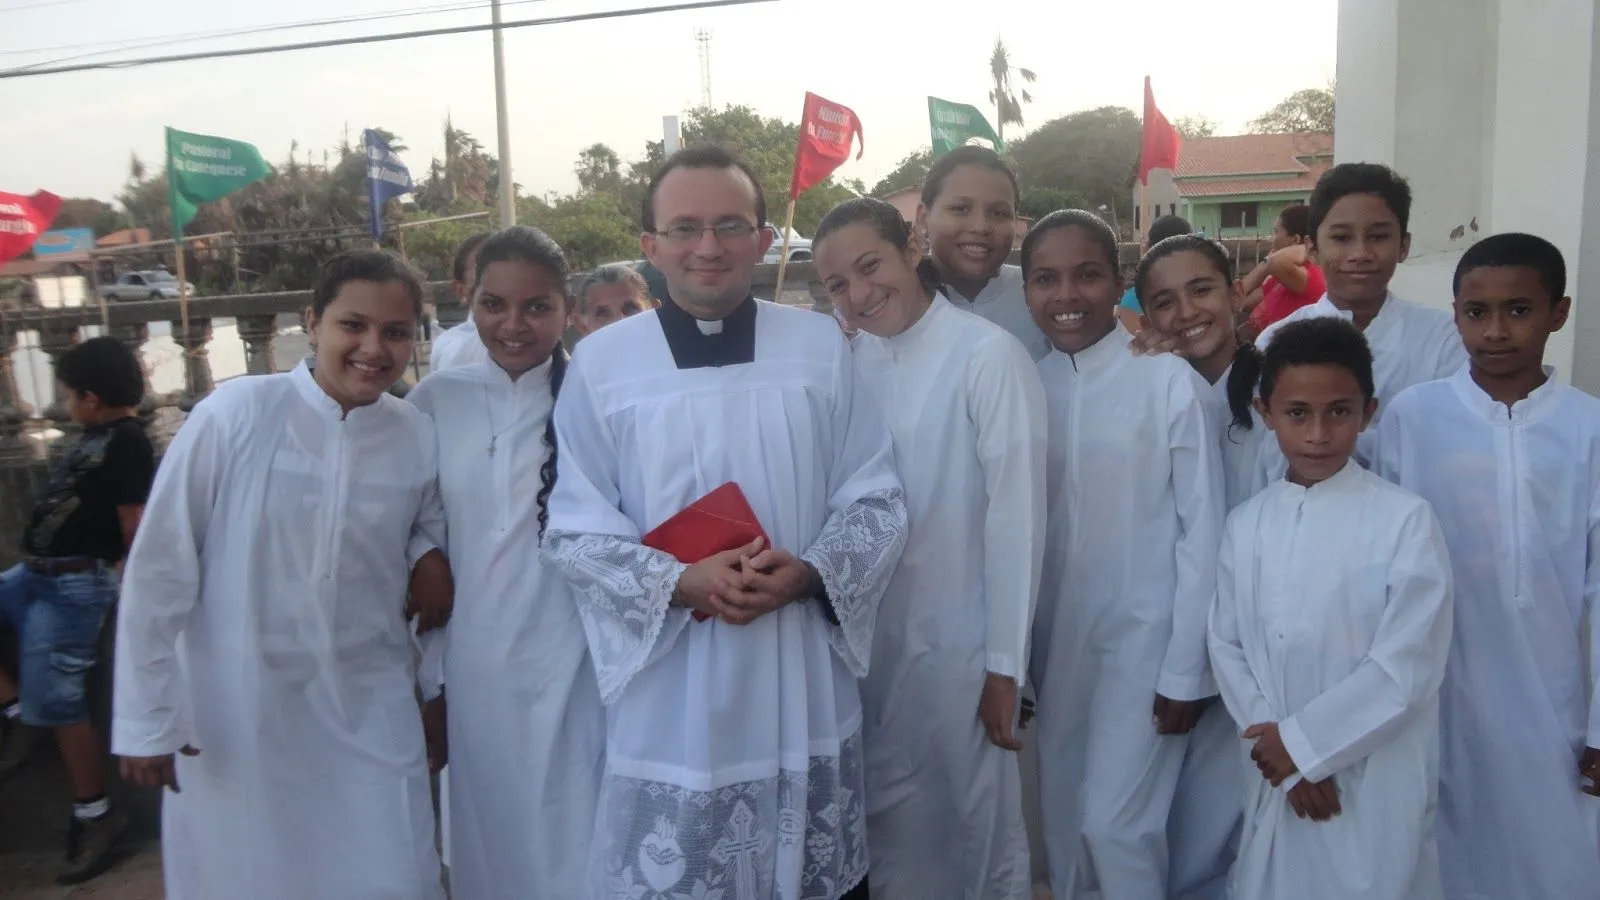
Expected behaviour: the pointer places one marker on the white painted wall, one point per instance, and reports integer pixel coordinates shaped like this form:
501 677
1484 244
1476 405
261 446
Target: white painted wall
1491 108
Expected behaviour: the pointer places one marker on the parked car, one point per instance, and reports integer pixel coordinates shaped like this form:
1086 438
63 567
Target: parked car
146 285
799 247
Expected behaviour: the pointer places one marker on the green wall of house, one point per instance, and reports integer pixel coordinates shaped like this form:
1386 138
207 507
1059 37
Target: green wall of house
1205 214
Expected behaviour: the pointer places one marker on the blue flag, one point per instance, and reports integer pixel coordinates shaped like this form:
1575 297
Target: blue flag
387 178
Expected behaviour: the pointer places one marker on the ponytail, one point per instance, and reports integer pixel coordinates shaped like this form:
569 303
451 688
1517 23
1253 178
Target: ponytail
1242 379
547 472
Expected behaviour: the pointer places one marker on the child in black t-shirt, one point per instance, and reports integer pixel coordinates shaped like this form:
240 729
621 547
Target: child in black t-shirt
57 598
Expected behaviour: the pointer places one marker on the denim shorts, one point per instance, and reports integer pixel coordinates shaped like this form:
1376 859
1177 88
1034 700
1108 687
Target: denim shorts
57 619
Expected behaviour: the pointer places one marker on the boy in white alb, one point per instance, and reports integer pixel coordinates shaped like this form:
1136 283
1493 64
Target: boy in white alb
1510 460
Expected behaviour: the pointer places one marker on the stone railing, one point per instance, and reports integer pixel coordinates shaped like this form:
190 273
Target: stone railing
24 456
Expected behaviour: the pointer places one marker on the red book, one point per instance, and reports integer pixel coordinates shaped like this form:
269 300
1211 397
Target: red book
721 520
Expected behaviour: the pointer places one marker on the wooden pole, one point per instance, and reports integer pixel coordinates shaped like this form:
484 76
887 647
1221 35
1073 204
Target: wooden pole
783 254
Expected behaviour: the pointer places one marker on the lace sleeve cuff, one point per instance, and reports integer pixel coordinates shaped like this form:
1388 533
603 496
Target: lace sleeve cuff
856 554
623 590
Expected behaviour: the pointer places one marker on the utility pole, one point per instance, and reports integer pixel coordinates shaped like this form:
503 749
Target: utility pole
508 188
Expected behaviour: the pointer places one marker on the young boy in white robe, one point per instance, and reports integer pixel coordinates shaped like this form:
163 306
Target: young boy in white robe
965 407
968 217
1510 459
526 726
1328 638
264 663
1135 513
460 344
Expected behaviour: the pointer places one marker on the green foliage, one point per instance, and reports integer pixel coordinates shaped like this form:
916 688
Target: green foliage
87 212
1308 110
1088 156
1038 202
909 173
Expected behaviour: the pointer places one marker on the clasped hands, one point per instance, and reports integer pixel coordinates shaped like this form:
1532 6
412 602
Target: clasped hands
1318 801
741 585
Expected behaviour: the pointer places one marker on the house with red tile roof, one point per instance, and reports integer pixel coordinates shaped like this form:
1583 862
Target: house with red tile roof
1235 186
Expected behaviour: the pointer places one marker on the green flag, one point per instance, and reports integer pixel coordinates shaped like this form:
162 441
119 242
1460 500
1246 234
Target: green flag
953 124
202 168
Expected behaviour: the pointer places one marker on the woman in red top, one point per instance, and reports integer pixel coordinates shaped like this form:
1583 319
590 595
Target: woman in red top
1288 278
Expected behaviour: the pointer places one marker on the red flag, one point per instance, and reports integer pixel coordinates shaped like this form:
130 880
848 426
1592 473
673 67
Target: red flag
1159 146
23 219
825 132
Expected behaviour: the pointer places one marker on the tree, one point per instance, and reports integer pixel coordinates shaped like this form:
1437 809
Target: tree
599 170
87 212
1195 126
1038 202
1087 156
1307 110
910 173
1003 95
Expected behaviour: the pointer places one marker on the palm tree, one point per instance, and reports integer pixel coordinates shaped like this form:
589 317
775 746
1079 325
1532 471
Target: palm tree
1004 96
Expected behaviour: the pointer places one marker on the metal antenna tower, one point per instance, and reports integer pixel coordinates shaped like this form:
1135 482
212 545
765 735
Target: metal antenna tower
703 38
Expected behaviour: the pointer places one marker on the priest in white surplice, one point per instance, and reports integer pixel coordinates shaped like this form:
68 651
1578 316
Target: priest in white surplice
734 759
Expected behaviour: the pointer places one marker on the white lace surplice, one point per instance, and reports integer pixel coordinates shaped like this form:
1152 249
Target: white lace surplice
734 764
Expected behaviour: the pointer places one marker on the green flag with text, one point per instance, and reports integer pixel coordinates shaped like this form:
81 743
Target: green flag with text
953 124
202 168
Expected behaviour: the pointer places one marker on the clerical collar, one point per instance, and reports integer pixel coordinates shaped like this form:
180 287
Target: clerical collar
698 344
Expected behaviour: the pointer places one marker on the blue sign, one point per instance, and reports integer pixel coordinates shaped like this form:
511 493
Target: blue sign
64 241
387 178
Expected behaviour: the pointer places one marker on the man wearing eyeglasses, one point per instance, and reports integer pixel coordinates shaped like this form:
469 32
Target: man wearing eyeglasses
734 759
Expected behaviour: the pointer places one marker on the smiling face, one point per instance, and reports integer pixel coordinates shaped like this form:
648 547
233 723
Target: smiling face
1072 288
711 238
520 309
607 303
873 283
1317 412
363 340
1187 299
971 225
1359 244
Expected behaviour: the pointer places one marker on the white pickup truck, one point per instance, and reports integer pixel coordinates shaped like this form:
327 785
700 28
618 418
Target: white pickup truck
147 285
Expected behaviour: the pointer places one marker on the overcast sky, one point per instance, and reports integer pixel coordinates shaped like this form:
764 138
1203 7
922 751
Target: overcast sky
573 84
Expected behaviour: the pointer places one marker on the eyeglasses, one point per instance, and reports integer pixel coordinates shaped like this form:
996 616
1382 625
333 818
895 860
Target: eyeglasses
690 232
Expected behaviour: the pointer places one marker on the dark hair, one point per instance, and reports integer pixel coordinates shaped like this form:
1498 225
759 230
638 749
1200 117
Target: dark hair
379 266
519 243
1168 226
700 156
1072 218
458 269
1520 250
885 220
965 155
1296 219
1192 243
104 367
615 273
1319 341
1345 179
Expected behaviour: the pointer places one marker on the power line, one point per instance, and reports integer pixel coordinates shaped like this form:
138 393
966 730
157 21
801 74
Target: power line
24 72
119 45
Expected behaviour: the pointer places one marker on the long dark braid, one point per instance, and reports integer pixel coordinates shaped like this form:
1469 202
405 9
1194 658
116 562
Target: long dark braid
547 472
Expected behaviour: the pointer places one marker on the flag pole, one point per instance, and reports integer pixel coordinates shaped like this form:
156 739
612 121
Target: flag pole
183 315
783 254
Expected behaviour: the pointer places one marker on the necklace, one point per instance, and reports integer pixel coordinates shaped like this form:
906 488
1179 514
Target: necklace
494 436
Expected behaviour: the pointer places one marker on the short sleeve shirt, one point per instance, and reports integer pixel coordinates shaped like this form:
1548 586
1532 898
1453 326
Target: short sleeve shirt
108 466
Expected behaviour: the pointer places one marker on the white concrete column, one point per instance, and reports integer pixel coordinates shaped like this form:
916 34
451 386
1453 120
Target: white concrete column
1491 109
